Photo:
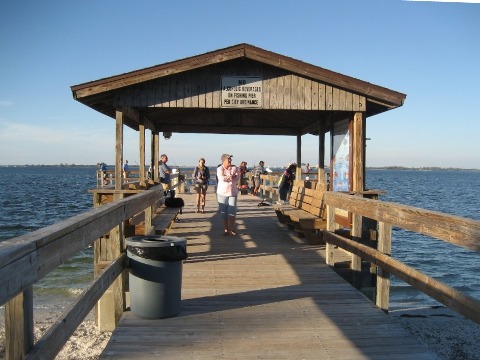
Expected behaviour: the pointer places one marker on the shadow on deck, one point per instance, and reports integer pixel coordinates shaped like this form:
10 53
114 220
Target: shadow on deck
262 294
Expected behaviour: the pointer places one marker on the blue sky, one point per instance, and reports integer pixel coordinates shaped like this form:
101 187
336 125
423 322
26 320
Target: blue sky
427 50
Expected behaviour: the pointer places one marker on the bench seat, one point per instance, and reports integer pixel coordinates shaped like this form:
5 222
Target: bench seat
162 220
304 213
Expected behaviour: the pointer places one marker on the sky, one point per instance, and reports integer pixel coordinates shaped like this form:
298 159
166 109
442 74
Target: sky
428 50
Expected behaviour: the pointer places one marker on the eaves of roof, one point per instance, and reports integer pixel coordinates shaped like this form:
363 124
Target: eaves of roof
382 95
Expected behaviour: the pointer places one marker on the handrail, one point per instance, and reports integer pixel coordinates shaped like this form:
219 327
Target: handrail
28 258
52 342
107 177
453 229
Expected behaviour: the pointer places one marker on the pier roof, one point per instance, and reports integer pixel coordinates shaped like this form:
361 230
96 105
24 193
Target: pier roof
188 95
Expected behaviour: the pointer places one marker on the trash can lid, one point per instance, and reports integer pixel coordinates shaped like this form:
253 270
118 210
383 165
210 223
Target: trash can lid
155 241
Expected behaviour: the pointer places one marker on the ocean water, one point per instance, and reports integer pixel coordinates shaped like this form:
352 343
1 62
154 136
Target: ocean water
451 192
35 196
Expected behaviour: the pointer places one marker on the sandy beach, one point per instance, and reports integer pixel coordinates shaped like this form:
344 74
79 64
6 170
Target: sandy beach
448 334
86 343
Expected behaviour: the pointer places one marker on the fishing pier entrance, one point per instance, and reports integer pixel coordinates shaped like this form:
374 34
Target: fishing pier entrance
264 293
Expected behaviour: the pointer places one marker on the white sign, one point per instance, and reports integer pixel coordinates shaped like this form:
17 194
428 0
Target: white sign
242 92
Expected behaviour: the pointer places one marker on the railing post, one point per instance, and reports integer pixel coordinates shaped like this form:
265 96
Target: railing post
19 325
383 277
329 259
148 219
110 307
356 266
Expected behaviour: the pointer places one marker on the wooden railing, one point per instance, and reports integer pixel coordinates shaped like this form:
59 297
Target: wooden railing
453 229
269 185
107 178
26 259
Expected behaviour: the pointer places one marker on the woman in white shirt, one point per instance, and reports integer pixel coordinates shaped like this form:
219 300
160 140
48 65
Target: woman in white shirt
227 191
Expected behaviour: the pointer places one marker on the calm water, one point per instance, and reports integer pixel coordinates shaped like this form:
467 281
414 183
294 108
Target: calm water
34 197
451 192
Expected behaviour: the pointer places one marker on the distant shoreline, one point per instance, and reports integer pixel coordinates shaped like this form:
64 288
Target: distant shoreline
423 168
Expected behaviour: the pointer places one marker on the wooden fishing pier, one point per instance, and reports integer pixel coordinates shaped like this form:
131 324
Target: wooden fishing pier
263 294
268 292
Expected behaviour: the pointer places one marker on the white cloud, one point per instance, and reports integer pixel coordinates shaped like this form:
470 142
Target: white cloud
5 103
22 143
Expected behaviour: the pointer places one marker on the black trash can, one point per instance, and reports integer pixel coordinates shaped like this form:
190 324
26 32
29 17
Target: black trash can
155 275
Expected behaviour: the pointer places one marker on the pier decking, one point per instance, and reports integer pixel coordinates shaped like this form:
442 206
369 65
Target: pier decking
264 294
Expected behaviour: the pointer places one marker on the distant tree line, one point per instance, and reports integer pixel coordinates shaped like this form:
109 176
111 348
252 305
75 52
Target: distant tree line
424 168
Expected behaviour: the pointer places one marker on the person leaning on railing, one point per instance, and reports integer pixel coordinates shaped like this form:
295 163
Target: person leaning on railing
257 171
102 167
286 181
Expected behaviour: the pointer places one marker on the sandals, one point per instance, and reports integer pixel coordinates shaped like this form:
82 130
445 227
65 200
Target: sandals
233 233
225 232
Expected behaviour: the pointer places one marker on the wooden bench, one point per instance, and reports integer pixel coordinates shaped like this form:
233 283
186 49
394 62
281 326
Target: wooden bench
162 220
305 212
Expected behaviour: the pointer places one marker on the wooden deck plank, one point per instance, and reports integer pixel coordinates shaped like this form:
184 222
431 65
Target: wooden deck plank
264 294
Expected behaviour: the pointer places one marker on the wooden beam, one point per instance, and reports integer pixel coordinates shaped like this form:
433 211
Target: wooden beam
445 294
141 150
19 337
212 128
118 150
132 114
329 248
298 174
356 266
47 248
383 276
358 147
454 229
155 155
321 152
55 338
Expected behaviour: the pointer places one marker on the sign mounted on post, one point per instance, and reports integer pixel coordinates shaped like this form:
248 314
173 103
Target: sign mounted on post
242 92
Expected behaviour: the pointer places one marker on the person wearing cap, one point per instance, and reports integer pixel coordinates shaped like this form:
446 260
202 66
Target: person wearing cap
227 192
257 171
164 172
201 176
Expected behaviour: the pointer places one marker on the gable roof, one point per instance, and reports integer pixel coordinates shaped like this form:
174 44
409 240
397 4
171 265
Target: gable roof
100 94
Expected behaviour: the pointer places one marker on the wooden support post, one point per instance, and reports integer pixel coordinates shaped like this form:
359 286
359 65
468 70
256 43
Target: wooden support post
358 146
118 150
155 155
19 337
141 149
321 154
329 258
298 172
357 185
148 219
383 277
112 304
